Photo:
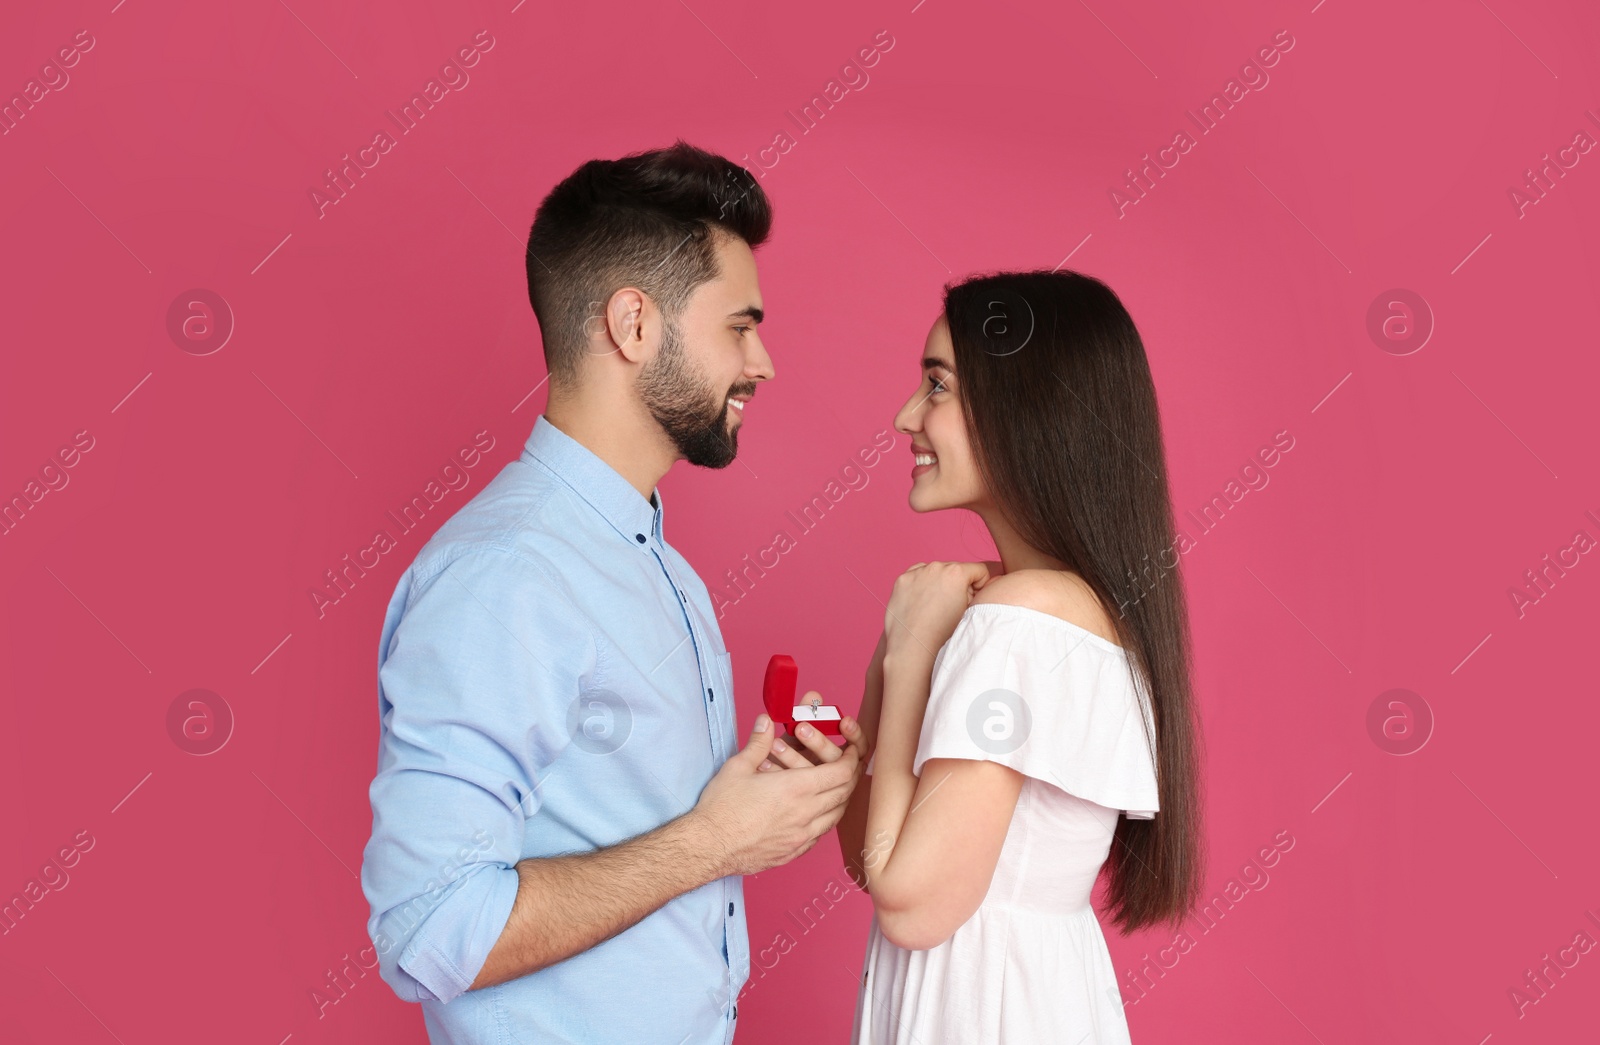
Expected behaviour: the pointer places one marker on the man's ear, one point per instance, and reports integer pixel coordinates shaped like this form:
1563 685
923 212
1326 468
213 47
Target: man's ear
630 323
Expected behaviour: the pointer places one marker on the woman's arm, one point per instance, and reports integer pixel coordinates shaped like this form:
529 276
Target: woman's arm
933 860
852 828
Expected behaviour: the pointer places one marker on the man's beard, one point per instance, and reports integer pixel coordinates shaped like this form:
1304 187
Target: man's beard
692 413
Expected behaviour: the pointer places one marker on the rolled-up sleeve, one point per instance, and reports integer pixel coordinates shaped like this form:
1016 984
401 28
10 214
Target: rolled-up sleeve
475 683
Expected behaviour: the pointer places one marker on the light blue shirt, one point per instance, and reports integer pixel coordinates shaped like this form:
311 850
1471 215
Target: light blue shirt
551 680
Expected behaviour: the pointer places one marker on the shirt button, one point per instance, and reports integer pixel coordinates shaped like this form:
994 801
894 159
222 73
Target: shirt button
736 1012
730 908
639 537
712 695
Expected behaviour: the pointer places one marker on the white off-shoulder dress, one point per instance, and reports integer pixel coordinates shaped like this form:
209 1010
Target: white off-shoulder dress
1062 706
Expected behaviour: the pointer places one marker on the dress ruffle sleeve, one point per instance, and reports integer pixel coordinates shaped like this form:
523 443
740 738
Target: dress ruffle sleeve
1048 698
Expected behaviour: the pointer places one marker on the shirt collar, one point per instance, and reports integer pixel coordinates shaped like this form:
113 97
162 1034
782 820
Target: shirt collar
599 484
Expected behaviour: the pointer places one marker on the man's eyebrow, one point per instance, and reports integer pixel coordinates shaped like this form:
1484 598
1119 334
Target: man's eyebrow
931 361
750 312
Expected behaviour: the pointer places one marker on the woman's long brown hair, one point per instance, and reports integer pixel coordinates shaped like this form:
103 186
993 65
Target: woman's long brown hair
1065 429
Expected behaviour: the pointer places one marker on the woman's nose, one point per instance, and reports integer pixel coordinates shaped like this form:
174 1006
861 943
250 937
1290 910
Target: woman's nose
906 421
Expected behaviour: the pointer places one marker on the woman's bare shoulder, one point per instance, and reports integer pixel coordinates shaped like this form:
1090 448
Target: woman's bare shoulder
1056 592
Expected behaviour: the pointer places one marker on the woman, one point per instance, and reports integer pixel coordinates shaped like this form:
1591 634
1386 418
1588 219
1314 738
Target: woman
1030 718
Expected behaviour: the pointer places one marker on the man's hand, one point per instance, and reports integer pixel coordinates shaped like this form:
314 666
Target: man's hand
809 746
761 819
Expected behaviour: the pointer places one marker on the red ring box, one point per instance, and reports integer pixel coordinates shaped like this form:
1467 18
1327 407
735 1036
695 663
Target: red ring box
778 696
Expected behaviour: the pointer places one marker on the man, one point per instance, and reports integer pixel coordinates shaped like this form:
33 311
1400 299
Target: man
560 817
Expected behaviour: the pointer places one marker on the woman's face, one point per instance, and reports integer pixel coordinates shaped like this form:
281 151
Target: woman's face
933 420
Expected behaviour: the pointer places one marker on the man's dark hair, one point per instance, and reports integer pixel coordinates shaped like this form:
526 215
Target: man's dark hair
647 221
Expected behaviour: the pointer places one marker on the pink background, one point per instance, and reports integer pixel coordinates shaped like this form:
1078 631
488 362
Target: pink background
373 341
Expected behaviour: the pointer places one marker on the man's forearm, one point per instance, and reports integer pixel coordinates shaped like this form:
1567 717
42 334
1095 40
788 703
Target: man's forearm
568 904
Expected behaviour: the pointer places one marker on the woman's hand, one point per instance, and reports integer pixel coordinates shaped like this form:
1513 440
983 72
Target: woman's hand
927 603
